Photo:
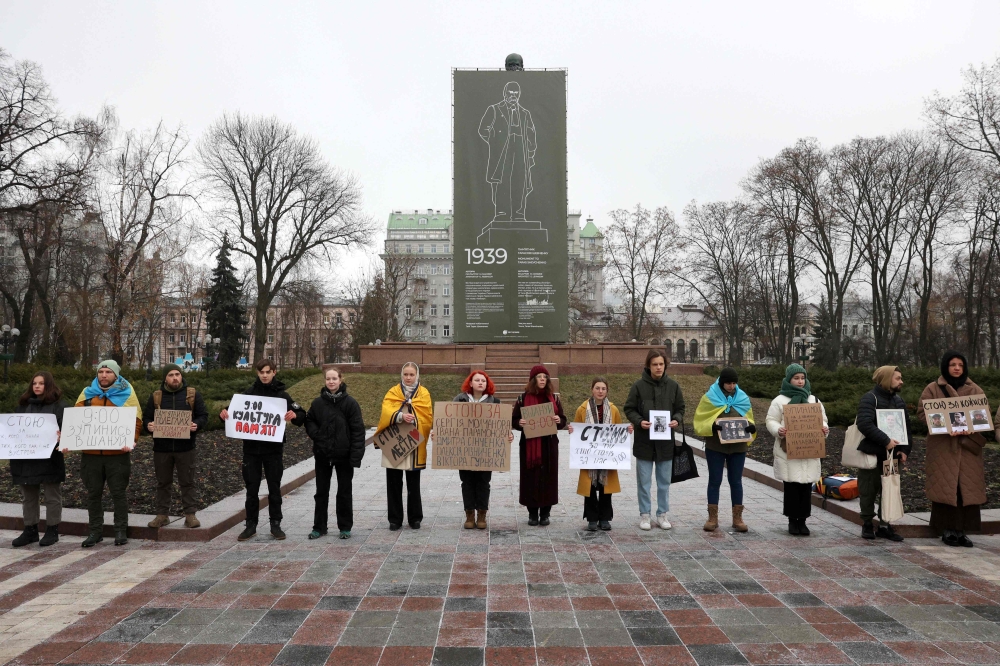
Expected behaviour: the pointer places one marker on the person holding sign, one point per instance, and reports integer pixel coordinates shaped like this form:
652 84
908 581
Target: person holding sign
955 480
409 402
175 449
539 455
653 391
725 399
263 459
109 389
31 476
798 475
597 485
884 395
337 429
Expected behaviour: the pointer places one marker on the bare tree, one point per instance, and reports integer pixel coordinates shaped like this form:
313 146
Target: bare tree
280 202
971 118
399 281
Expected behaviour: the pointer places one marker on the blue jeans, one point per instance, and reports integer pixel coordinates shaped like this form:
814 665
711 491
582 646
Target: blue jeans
733 462
644 477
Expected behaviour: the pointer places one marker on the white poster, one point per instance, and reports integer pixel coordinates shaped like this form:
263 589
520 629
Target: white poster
256 417
98 428
27 436
600 446
659 424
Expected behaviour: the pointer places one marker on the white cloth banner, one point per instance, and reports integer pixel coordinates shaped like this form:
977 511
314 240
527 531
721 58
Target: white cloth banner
256 417
98 428
600 446
27 436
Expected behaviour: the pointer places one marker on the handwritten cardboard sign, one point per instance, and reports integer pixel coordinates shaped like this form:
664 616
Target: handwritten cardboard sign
98 428
172 424
970 413
600 446
256 417
733 430
541 420
471 435
804 438
27 436
397 441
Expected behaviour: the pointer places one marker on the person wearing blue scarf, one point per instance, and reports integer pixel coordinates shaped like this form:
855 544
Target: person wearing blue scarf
725 400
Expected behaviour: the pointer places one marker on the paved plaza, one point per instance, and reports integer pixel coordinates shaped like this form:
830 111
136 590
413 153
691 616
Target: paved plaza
511 595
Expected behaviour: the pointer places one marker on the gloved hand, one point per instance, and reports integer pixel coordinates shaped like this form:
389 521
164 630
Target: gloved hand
752 429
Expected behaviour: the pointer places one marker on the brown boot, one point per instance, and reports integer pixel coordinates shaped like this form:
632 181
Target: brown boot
191 520
470 520
159 521
481 519
712 523
738 523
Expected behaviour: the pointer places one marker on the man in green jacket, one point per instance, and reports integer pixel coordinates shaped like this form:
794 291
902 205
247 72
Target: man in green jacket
654 391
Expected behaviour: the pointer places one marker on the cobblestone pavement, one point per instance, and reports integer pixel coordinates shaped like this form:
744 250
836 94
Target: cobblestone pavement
511 595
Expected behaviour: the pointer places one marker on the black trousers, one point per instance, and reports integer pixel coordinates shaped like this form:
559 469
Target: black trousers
798 500
263 466
598 505
345 505
539 511
475 489
394 488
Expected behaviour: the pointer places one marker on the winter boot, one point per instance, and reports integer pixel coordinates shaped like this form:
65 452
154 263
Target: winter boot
470 520
481 519
159 521
92 540
738 523
51 536
276 530
121 537
191 520
29 535
248 533
868 530
803 530
712 523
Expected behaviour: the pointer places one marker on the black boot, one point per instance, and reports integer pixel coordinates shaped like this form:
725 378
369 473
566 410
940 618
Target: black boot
121 537
248 532
92 540
803 530
276 530
543 516
886 532
532 516
868 530
793 526
51 536
29 535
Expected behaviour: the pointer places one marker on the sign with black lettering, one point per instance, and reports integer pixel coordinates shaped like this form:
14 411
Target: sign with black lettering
600 446
27 436
98 428
471 435
256 417
397 441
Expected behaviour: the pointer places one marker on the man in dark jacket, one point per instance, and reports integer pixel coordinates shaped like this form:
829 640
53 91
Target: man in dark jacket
263 459
884 395
653 391
335 426
175 394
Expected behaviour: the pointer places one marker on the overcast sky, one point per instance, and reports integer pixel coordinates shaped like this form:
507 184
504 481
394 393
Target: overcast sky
668 102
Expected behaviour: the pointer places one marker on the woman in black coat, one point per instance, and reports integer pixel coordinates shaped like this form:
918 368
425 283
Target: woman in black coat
42 397
335 426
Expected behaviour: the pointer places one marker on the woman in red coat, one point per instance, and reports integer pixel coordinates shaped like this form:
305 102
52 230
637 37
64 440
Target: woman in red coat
539 455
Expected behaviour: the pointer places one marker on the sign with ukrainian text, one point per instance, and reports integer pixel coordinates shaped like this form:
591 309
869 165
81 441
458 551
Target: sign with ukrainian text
27 436
98 428
256 417
471 435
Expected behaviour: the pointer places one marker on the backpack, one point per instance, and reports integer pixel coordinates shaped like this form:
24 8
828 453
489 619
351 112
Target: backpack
838 487
189 397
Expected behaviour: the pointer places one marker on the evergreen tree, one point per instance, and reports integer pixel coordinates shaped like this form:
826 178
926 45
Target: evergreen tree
226 316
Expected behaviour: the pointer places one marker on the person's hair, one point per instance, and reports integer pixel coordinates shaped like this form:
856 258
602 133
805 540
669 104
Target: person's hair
653 353
410 364
328 368
265 363
467 384
598 380
532 386
49 395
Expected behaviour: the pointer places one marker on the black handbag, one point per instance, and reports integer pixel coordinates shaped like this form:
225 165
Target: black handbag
685 466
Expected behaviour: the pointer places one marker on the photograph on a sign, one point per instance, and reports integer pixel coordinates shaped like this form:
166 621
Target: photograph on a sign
961 415
893 423
733 430
659 424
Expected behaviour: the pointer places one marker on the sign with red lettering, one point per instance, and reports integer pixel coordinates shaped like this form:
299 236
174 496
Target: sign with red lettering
397 441
541 420
256 417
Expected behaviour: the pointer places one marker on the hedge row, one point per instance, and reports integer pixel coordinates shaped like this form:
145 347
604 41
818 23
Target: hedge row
841 390
217 387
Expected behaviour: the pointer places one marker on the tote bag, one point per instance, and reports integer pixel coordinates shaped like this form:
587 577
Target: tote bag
891 506
851 457
684 467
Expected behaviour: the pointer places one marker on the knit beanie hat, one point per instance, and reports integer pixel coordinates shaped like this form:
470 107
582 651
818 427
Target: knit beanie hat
883 376
728 375
170 367
538 370
792 370
111 365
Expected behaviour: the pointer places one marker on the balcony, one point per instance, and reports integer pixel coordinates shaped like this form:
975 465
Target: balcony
420 278
420 319
420 296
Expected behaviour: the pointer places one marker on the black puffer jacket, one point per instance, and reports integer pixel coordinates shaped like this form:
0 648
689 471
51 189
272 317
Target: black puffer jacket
875 440
335 426
175 400
276 389
48 470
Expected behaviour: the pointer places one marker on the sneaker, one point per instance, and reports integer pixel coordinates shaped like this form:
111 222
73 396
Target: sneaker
662 521
276 530
605 526
886 532
345 534
592 526
315 534
868 530
644 522
92 540
248 533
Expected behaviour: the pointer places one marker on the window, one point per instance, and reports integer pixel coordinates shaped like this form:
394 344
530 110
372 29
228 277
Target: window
845 329
434 270
409 249
434 309
434 331
433 291
420 248
270 338
340 320
434 248
407 331
182 338
350 317
422 220
420 311
864 330
854 329
590 296
409 310
796 331
446 270
694 350
170 338
326 320
447 310
446 291
446 331
710 348
173 318
183 320
680 351
666 348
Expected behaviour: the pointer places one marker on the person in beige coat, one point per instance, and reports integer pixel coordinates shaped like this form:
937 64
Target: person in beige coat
955 481
797 475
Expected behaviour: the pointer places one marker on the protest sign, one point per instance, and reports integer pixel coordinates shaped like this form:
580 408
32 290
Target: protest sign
805 438
172 424
27 436
970 413
659 424
541 420
397 441
600 446
471 435
893 423
256 417
733 430
98 428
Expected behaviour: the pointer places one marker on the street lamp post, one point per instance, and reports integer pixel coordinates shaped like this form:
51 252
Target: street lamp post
8 335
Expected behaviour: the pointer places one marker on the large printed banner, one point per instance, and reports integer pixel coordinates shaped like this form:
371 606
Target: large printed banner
600 446
471 435
510 254
98 428
256 417
27 436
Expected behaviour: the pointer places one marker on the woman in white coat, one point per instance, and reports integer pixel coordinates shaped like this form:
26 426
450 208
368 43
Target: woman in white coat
797 475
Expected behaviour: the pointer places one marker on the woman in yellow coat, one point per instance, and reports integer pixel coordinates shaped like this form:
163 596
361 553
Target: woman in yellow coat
411 403
597 485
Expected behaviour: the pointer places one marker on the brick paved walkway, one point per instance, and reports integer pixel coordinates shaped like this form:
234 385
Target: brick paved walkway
511 595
